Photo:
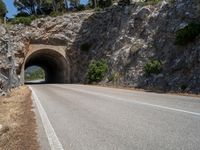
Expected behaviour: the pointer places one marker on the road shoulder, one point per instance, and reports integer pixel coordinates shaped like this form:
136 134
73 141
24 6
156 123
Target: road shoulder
18 122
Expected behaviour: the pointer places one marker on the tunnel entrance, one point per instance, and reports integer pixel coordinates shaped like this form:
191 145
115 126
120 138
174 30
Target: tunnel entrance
54 64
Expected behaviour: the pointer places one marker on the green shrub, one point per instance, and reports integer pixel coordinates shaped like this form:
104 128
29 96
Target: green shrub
153 67
22 14
183 87
55 14
85 47
104 3
80 7
97 70
23 20
187 34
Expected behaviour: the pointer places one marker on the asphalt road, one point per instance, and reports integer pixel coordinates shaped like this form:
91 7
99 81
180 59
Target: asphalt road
98 118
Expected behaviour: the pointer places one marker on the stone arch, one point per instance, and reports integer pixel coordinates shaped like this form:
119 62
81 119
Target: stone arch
52 59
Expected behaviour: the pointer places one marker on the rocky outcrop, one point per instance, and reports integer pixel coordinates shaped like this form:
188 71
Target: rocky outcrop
8 76
12 54
127 37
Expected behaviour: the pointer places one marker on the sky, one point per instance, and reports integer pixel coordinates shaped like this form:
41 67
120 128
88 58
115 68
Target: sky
10 7
13 11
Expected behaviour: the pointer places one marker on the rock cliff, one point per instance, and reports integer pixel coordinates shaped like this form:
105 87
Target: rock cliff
127 37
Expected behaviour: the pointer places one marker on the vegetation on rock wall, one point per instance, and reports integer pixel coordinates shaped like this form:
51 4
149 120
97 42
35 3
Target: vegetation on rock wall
187 34
23 20
97 70
153 67
85 47
183 86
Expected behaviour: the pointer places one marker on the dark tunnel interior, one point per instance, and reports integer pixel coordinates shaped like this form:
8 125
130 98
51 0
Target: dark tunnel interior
53 63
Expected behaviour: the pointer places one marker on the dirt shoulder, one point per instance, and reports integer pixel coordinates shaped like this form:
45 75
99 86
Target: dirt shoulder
17 121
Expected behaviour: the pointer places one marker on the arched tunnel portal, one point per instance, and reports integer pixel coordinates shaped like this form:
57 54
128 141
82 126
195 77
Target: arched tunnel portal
53 61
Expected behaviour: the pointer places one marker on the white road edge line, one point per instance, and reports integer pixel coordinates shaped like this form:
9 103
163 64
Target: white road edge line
50 133
139 103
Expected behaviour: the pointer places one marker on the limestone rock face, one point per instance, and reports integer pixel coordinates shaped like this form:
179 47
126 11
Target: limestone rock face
127 37
11 49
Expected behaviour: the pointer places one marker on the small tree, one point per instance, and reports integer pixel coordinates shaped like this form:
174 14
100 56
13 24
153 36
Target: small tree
3 10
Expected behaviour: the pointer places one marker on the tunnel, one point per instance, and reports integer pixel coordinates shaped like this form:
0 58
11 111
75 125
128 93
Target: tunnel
55 65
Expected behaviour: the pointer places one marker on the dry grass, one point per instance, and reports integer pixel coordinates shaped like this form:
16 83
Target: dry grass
18 120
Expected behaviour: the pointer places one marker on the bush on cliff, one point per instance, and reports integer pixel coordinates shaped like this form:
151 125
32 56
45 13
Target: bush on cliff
85 47
187 34
23 20
80 7
153 67
97 70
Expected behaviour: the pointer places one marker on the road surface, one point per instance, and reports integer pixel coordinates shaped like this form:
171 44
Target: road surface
39 81
80 117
